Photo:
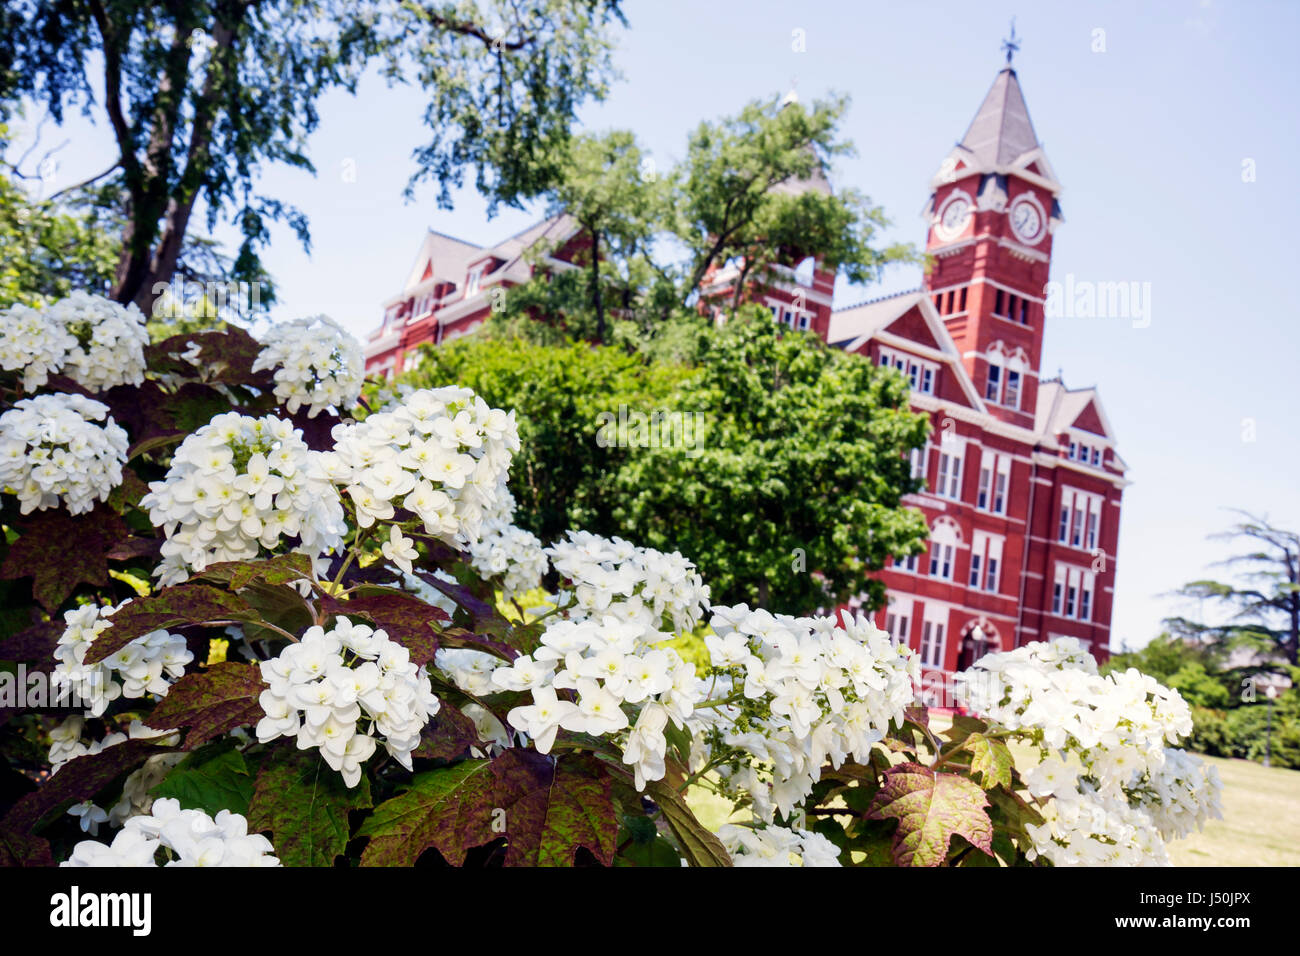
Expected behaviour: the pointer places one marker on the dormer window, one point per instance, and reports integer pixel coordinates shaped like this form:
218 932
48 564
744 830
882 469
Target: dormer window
472 283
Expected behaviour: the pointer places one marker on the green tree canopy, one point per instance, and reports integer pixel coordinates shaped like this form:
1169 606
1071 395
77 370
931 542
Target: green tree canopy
200 95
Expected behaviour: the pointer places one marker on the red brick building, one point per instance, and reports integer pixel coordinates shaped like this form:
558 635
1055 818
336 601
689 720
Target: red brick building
1023 481
1023 478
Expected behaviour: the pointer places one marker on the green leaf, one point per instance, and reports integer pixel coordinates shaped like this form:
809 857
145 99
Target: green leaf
170 607
654 852
220 782
544 808
930 807
304 805
991 759
211 702
698 844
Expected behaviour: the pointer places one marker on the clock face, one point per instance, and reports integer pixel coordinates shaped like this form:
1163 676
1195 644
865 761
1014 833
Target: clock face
954 216
1026 221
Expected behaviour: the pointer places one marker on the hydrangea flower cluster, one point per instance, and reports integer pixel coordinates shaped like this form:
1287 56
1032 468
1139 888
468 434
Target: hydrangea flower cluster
777 846
609 663
316 364
470 670
1052 691
32 344
52 451
338 690
108 340
511 553
613 576
806 690
237 488
141 667
1087 828
1116 790
440 454
185 837
66 742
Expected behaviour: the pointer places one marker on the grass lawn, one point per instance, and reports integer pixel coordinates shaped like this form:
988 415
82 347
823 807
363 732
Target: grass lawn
1260 825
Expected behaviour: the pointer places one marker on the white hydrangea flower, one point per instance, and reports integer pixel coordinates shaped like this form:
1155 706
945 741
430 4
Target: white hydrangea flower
777 846
816 690
52 451
66 742
239 488
339 690
613 576
32 344
470 670
316 363
141 667
108 340
193 837
440 454
1114 791
511 553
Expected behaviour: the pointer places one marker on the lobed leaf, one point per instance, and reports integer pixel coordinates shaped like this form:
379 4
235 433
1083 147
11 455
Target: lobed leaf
211 702
930 808
304 805
170 607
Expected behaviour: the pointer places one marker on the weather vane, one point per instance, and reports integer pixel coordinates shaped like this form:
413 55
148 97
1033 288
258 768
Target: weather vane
1010 44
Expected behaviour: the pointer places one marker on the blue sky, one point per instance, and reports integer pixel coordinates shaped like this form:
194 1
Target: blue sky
1147 123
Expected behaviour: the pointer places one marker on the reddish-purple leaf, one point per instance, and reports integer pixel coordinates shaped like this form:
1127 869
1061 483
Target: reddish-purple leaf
931 808
35 643
211 702
304 805
21 849
79 779
448 735
170 607
406 619
281 569
544 808
60 551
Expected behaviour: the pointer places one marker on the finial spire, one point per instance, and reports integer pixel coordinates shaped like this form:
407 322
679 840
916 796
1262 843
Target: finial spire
1011 44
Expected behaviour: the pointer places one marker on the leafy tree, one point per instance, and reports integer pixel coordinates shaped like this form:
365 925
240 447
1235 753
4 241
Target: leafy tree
561 478
50 249
615 201
791 495
200 95
740 196
1264 609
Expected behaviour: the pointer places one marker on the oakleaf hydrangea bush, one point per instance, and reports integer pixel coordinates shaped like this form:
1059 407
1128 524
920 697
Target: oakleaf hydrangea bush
299 627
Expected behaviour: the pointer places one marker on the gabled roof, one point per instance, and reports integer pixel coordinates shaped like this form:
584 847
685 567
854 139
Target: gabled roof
851 329
450 258
1001 131
1060 408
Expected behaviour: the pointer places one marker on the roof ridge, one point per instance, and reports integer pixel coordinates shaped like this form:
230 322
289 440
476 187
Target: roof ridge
882 298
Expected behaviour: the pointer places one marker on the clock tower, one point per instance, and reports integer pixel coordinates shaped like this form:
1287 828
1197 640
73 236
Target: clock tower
992 212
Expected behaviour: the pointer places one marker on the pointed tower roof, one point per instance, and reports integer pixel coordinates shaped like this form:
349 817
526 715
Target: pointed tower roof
1001 131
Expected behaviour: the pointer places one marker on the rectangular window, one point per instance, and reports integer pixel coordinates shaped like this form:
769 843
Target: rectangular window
950 474
1069 600
986 484
914 375
917 458
898 624
804 322
932 638
909 563
1000 486
999 303
974 570
991 575
941 561
927 381
1013 389
472 283
993 389
961 306
1076 536
1058 588
1085 600
1064 533
1024 311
